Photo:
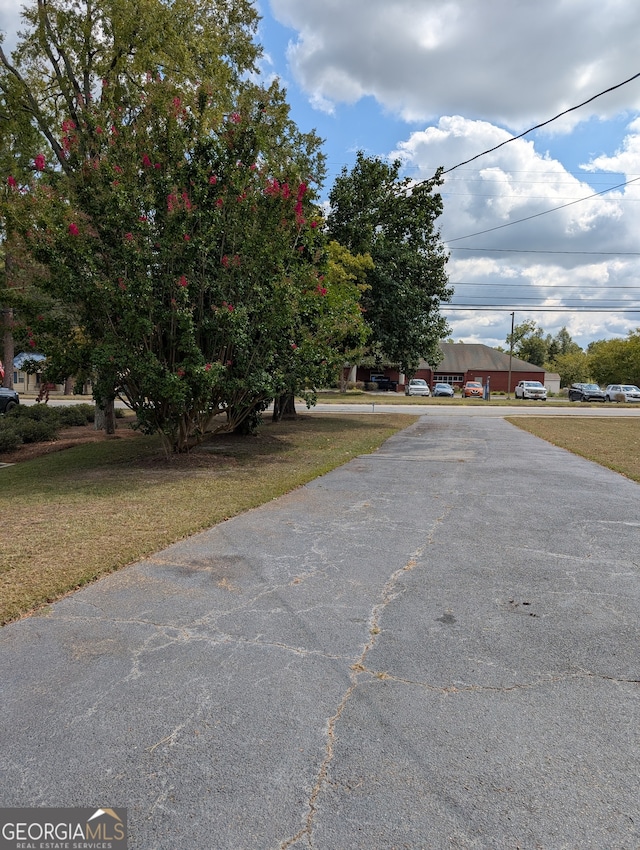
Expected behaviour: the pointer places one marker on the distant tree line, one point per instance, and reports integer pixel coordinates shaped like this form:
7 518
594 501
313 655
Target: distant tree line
610 361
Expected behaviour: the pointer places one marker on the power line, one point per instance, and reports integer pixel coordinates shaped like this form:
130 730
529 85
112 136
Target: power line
544 212
529 308
540 251
542 124
551 286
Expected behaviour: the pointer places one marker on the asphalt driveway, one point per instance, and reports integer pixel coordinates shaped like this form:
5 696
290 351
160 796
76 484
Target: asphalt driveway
434 646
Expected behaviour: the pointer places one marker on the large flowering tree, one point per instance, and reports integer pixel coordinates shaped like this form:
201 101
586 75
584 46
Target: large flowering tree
173 211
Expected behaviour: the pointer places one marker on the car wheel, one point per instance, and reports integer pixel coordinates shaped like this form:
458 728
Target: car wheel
10 406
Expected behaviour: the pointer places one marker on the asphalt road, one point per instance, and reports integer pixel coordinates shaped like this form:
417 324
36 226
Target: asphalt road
434 646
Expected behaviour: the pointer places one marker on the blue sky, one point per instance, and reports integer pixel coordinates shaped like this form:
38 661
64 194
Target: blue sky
436 82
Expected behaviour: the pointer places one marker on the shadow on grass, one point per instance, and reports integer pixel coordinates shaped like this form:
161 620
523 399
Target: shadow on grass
124 462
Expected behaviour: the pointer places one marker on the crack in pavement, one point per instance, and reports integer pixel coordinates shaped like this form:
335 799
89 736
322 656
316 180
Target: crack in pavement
357 670
383 675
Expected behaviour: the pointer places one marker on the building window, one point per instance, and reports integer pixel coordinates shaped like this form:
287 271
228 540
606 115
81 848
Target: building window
448 379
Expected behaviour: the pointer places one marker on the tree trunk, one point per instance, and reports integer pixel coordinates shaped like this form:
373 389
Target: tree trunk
69 384
349 378
284 407
8 347
106 417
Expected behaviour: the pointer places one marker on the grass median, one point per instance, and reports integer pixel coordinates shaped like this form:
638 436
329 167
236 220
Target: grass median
611 442
74 515
382 398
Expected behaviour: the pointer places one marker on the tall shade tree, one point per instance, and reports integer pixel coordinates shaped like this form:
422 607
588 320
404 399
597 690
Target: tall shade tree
173 210
376 212
73 52
528 343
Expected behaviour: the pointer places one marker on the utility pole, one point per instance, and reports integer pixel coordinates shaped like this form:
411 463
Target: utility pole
510 356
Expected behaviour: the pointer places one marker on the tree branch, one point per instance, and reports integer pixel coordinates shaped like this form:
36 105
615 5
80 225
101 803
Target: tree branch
32 108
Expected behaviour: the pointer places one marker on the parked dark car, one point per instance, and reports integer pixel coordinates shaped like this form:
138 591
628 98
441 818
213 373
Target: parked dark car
585 392
384 383
8 399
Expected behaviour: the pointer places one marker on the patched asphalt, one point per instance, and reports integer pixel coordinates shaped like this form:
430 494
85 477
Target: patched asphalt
434 646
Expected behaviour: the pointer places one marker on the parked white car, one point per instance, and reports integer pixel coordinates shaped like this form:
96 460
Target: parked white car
629 391
417 386
531 389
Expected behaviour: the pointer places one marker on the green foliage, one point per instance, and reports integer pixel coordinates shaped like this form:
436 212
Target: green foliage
39 423
616 361
10 438
560 345
76 415
34 424
173 218
36 413
572 367
528 343
376 213
37 430
557 353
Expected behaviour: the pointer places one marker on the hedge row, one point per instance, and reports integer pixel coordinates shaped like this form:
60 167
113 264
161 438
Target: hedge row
40 423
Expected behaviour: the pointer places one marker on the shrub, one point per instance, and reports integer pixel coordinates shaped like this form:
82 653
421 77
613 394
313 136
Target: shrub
74 414
9 437
37 431
89 411
36 413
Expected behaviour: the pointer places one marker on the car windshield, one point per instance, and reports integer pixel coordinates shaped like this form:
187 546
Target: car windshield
532 384
419 382
629 388
591 387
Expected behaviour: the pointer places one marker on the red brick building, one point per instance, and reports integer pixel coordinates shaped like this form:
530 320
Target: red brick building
463 362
